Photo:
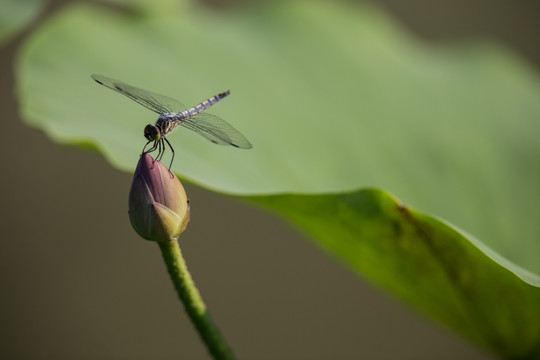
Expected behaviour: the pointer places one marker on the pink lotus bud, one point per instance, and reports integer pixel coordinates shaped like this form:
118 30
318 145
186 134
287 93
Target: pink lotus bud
158 205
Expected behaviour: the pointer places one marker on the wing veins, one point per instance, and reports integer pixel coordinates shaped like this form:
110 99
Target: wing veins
155 102
216 130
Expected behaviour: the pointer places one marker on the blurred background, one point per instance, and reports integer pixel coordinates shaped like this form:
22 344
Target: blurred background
79 283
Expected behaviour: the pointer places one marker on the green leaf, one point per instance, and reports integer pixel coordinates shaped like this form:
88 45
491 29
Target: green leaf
328 109
425 262
15 15
333 98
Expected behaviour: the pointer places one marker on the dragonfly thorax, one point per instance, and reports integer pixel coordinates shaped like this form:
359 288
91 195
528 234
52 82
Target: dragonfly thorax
166 123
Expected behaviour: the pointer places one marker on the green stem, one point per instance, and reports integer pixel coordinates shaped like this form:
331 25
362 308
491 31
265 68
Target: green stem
193 303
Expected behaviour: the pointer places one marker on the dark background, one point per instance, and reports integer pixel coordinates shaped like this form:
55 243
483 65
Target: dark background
78 283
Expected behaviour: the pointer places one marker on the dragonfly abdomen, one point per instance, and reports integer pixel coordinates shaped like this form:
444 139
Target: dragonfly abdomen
205 104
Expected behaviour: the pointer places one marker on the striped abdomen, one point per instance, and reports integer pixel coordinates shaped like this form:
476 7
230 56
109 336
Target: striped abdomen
204 105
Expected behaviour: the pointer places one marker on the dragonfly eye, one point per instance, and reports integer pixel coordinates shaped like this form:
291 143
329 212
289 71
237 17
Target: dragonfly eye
151 132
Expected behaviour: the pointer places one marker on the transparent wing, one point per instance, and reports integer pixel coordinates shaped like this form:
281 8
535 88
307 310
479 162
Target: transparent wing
155 102
216 130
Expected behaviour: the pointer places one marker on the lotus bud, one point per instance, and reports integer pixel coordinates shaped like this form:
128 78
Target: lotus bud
158 205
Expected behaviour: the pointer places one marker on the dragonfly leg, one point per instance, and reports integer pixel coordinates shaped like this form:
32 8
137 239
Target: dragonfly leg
159 147
153 148
170 146
161 150
145 145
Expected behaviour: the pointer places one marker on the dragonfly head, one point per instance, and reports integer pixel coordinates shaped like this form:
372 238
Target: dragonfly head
151 132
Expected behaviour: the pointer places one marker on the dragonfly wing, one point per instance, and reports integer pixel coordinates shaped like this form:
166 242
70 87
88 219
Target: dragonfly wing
216 130
155 102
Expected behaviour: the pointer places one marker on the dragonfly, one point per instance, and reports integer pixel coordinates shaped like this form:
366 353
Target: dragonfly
172 114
